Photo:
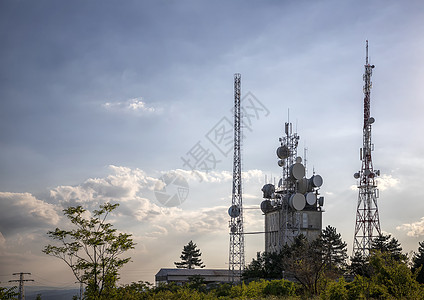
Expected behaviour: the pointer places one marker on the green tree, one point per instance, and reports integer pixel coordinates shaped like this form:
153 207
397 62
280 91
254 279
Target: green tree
305 263
190 257
418 263
334 252
8 293
388 244
92 250
266 265
359 265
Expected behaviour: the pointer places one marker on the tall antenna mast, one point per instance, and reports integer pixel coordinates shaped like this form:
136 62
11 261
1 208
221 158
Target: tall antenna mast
367 225
236 256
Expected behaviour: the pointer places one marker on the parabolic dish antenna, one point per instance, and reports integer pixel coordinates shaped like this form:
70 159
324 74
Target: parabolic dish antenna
234 211
302 185
283 152
266 206
297 201
311 198
316 181
297 171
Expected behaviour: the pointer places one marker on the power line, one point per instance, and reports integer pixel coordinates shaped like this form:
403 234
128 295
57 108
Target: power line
21 281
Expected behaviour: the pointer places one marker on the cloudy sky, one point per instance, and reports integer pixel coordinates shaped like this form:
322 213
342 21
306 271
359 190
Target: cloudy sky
100 99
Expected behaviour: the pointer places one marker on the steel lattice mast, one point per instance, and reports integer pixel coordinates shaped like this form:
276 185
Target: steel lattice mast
367 225
236 257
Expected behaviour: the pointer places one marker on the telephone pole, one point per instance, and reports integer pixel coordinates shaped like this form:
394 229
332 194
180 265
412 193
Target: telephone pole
21 281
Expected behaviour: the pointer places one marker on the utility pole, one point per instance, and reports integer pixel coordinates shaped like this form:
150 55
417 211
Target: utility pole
367 226
21 281
236 257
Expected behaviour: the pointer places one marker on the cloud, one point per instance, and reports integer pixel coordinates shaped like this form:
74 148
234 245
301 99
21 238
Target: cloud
384 182
123 185
23 211
415 229
387 181
136 105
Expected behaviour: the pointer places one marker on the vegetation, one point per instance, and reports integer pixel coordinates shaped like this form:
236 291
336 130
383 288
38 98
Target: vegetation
190 257
8 293
303 270
92 249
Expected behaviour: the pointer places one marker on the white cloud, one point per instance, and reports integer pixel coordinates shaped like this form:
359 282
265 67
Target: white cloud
415 229
23 210
123 185
387 181
132 105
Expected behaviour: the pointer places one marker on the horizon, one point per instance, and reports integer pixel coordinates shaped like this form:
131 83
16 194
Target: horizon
100 101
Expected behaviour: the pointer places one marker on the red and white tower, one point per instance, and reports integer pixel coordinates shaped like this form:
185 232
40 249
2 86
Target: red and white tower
367 225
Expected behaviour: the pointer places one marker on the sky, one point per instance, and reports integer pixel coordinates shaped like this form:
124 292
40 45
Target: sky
103 101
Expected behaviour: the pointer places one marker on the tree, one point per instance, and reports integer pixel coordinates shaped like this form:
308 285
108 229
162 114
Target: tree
8 293
190 257
92 250
334 252
266 265
418 263
388 244
304 261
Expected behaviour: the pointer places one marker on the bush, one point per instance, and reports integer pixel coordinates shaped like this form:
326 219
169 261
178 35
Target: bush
280 288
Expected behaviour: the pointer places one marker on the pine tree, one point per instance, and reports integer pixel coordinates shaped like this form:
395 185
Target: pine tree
333 249
418 262
387 243
190 257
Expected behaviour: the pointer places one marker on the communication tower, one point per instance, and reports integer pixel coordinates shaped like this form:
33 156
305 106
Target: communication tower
236 257
294 206
367 225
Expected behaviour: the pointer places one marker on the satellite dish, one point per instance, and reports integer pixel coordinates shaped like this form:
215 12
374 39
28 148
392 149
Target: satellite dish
302 185
356 175
234 211
316 181
311 198
268 190
233 228
297 171
297 201
281 163
371 120
298 159
266 206
283 152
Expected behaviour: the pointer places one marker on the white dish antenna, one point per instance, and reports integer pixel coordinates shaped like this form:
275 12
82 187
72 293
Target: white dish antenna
297 201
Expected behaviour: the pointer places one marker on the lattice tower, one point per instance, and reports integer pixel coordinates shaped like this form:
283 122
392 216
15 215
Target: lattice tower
367 225
236 256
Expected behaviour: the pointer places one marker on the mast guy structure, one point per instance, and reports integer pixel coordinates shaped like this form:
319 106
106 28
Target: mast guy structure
367 225
236 256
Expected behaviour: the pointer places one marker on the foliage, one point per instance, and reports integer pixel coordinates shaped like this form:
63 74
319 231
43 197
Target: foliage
266 265
418 263
305 263
8 293
280 288
388 244
359 265
92 250
334 252
335 290
190 257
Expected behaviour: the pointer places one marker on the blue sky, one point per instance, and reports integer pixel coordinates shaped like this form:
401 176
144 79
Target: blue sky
99 99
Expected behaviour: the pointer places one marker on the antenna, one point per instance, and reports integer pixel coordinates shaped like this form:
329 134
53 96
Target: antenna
236 256
367 225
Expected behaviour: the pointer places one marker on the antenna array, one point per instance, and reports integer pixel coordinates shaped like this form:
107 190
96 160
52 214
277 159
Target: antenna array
236 256
367 225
